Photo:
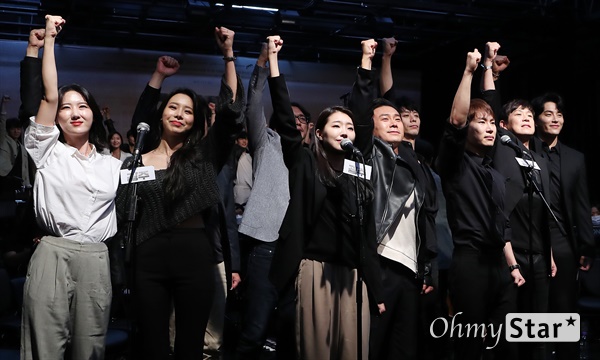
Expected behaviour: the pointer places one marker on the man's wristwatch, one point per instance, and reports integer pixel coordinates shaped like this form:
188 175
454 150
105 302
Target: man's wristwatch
515 266
485 67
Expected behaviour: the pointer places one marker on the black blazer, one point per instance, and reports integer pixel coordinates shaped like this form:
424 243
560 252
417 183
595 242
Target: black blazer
504 160
575 195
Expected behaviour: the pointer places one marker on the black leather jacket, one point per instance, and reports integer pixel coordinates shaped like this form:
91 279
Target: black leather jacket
392 178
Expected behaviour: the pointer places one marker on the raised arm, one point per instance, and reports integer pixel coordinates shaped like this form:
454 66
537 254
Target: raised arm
386 82
31 77
145 109
487 80
362 96
224 38
492 65
229 115
256 123
49 104
462 98
452 144
108 121
283 115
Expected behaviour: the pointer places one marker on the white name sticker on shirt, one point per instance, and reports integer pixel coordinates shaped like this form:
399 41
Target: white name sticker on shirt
144 173
357 169
527 163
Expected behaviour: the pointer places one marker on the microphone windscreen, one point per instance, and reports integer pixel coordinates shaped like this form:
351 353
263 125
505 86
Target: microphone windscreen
143 127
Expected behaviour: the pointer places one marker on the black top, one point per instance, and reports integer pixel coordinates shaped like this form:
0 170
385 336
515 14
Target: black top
520 220
334 239
474 194
555 194
200 175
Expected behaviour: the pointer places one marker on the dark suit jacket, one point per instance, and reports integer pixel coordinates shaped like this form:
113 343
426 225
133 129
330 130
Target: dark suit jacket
575 196
504 161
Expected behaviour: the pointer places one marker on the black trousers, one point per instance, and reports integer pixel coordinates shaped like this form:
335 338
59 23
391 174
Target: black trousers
175 267
481 289
394 333
532 297
563 292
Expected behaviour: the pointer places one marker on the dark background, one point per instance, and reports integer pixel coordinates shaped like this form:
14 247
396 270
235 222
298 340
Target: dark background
552 45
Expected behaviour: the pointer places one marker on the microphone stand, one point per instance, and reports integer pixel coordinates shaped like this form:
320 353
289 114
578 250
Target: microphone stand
533 186
360 198
130 250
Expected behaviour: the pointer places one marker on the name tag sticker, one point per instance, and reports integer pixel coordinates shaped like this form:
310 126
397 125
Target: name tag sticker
144 173
527 163
357 169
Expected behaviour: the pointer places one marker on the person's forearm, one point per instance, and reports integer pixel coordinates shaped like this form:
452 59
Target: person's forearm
273 65
387 81
462 99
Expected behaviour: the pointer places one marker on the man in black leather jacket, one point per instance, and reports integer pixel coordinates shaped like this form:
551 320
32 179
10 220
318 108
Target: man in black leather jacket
400 224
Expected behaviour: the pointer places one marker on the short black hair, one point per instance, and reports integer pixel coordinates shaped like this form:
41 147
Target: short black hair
538 103
379 102
404 102
13 123
304 111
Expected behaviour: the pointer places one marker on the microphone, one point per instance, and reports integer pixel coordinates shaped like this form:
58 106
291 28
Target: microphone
142 130
347 145
506 140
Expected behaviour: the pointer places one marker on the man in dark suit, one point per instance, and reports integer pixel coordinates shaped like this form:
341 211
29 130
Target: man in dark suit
569 199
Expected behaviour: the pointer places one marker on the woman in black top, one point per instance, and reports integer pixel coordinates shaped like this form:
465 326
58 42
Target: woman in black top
173 258
320 239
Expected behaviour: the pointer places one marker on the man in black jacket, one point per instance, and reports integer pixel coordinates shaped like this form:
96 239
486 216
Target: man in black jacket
569 199
400 224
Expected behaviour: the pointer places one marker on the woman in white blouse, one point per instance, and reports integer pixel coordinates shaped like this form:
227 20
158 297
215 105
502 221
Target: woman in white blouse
67 292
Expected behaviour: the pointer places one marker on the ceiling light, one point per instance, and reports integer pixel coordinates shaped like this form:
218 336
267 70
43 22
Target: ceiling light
248 7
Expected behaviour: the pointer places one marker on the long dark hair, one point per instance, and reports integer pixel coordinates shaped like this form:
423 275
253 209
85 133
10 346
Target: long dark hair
326 173
124 147
174 185
97 135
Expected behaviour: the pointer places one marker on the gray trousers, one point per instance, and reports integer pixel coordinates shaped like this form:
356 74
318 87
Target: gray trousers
66 298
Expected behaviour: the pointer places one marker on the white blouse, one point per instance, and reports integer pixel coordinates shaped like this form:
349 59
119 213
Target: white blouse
73 194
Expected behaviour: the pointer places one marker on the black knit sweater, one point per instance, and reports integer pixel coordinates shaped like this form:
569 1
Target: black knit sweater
200 176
